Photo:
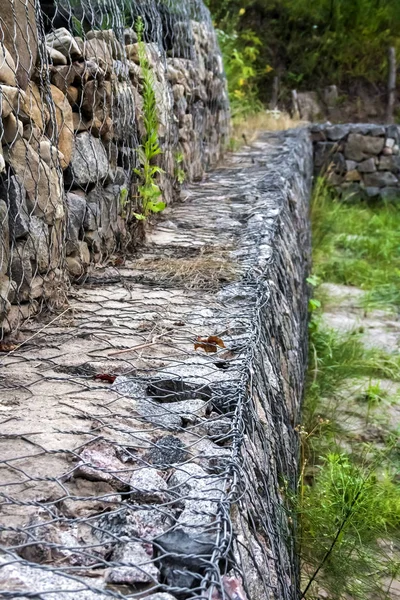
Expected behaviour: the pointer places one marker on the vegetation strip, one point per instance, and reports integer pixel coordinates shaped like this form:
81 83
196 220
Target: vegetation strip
349 496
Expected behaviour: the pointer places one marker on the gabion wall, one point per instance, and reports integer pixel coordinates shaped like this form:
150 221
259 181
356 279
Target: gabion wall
360 160
72 120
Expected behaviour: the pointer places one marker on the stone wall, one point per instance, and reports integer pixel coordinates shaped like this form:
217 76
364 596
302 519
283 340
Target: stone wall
71 122
360 160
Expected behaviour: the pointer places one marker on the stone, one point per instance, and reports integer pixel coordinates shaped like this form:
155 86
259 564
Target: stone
96 99
99 462
65 125
380 179
309 106
63 41
367 166
389 163
2 161
359 146
389 194
87 498
390 142
92 216
387 151
89 162
73 94
42 183
130 36
21 269
351 165
96 48
49 153
148 487
19 575
167 451
136 565
109 38
34 108
200 494
331 96
39 244
5 289
184 556
12 129
337 132
11 99
4 238
7 67
14 194
20 36
372 192
143 523
76 210
74 266
56 57
368 129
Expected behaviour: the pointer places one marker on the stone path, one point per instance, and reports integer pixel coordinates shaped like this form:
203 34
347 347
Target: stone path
121 433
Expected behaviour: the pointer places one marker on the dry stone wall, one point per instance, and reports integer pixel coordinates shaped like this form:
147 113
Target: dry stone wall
72 119
360 160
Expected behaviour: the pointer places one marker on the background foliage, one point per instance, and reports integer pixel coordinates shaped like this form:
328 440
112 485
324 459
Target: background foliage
306 44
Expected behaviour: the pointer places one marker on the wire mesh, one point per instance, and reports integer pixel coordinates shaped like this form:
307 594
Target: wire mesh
148 443
73 122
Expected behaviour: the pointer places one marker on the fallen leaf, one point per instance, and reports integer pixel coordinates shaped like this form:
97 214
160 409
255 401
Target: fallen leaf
106 377
7 347
209 344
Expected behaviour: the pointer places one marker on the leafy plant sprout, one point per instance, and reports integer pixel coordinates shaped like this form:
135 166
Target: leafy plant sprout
149 191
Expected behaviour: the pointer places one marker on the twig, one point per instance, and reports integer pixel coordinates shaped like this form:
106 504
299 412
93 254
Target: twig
140 346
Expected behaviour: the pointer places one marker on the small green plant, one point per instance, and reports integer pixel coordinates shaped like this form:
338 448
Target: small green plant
149 190
179 172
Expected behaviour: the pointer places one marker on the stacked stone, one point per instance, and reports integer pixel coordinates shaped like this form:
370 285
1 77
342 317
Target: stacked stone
361 161
72 120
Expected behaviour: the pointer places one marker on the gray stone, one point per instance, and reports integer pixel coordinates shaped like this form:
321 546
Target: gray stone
351 165
14 194
39 244
63 41
380 179
18 575
92 216
147 486
201 495
167 451
89 162
4 238
337 132
393 131
367 166
5 292
359 147
372 192
368 129
76 211
389 163
21 269
144 523
136 565
390 142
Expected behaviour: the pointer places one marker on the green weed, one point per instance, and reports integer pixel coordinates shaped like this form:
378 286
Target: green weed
357 245
149 190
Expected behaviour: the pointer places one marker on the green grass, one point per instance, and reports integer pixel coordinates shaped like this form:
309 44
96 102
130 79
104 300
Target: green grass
349 497
357 245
